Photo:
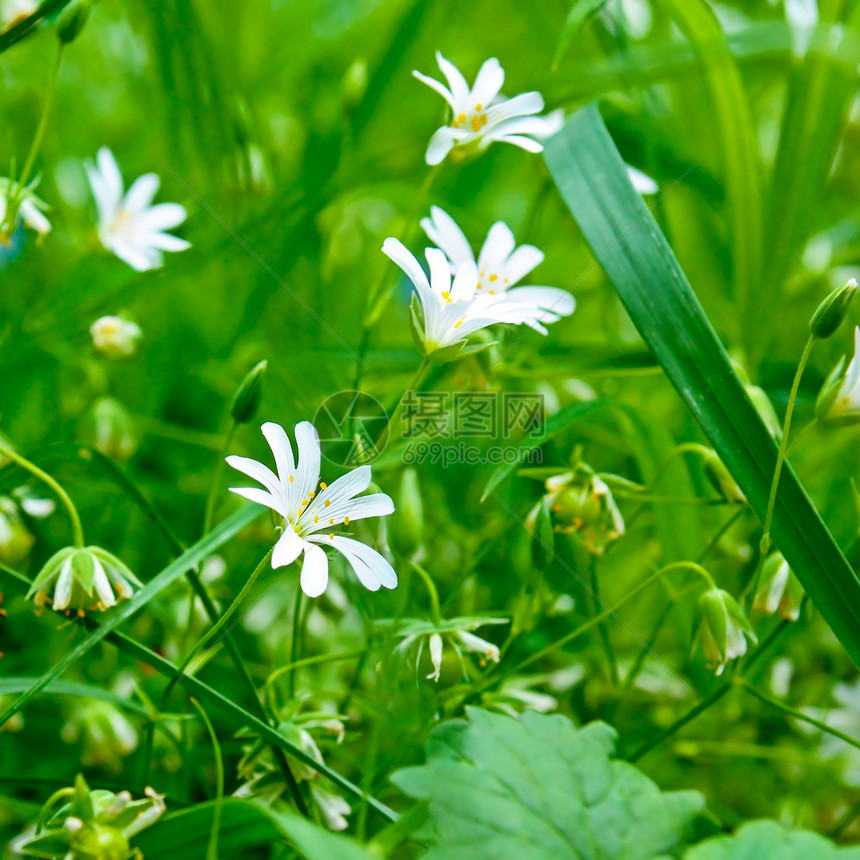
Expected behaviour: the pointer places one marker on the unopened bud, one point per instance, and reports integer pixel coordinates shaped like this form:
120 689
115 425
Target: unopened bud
724 629
830 313
408 534
248 397
353 85
112 429
72 20
779 589
839 399
720 477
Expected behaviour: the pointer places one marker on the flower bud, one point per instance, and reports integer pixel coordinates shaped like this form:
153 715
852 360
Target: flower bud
584 506
779 589
247 398
102 734
111 429
830 313
115 337
839 399
353 85
408 533
79 579
723 629
72 19
720 477
761 402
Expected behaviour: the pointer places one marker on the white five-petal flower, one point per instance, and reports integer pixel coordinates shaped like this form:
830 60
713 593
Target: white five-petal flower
480 115
310 507
847 402
501 265
452 312
115 337
129 225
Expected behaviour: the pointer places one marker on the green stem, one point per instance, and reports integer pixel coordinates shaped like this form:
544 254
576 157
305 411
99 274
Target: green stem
295 637
40 130
786 427
801 436
602 627
77 529
212 850
237 602
306 661
216 480
431 590
395 416
796 714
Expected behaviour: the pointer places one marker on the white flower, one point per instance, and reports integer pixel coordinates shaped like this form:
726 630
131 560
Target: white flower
450 313
309 507
129 225
30 211
643 183
115 337
12 12
501 265
480 115
724 629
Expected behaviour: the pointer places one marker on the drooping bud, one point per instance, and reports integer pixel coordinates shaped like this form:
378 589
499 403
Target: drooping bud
80 579
408 532
247 399
115 337
720 477
111 429
831 312
102 734
72 20
839 399
723 629
779 589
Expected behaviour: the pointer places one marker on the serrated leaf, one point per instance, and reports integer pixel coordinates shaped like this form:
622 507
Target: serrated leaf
768 840
539 788
625 238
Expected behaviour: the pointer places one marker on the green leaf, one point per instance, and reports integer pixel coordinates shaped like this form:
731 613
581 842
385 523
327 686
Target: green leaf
768 840
559 422
187 561
245 825
732 123
74 688
624 237
580 14
539 788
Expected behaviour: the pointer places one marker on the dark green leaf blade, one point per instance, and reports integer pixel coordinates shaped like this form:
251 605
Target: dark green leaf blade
627 242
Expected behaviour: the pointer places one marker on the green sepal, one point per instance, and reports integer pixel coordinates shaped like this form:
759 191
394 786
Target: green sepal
49 569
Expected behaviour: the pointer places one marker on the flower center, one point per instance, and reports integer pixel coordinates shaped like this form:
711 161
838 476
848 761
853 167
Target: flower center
475 120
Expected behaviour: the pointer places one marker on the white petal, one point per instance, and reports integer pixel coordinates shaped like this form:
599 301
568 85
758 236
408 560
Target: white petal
643 183
261 497
488 83
456 81
465 281
370 567
440 272
166 242
436 85
282 451
522 142
140 195
497 248
559 302
257 471
314 571
535 126
164 216
308 467
442 231
63 589
521 105
102 584
110 175
521 262
436 647
34 217
395 250
288 548
140 259
337 494
441 144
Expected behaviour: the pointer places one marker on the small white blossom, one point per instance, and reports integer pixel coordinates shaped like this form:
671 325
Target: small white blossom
31 211
309 507
480 115
115 337
501 265
452 312
129 225
846 406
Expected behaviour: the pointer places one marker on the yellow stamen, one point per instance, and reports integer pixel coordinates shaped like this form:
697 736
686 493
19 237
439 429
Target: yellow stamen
494 277
331 522
461 117
323 486
316 518
331 537
327 502
346 521
478 107
292 479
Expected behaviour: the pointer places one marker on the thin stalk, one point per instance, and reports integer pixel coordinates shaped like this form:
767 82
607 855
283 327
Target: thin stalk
77 529
216 479
602 627
395 416
36 145
306 661
295 638
801 436
783 445
431 590
237 602
796 714
212 850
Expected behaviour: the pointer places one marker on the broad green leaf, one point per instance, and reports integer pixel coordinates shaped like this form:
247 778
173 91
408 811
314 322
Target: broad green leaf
245 826
732 123
627 242
580 14
559 422
187 561
768 840
539 788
